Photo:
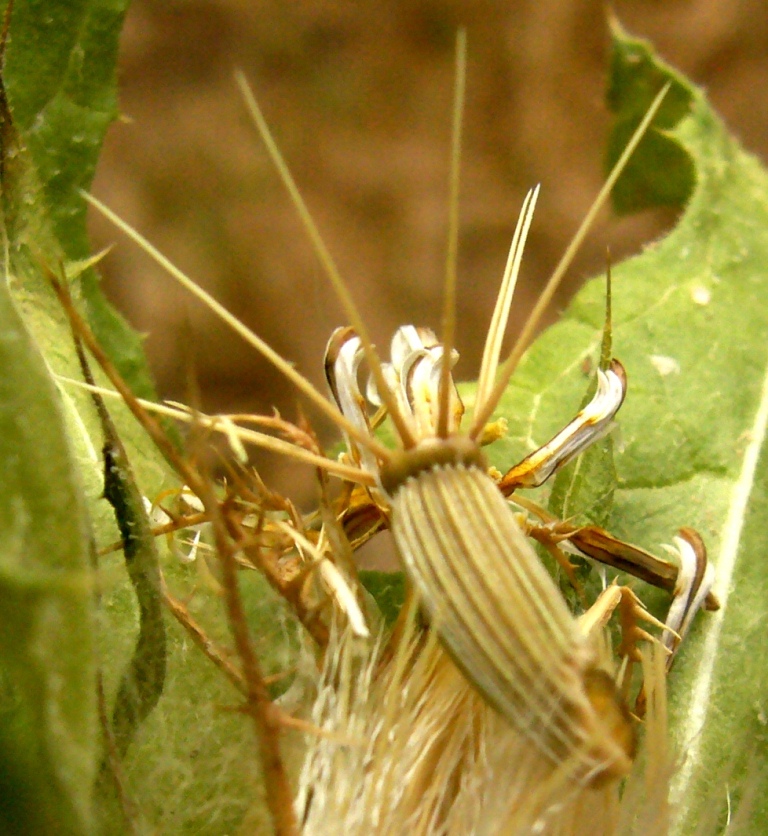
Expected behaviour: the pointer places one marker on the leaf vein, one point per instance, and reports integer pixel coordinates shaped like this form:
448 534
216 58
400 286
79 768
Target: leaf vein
699 702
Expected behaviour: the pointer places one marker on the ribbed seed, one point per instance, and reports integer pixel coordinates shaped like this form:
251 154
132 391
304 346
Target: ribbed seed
498 612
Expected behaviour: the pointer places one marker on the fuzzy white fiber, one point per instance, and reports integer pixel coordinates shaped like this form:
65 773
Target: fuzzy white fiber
410 747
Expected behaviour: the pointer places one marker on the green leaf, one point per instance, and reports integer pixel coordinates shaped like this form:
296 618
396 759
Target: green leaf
59 79
194 766
689 325
388 590
48 731
661 172
58 97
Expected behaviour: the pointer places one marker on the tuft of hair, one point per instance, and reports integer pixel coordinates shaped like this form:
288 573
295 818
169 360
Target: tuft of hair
410 747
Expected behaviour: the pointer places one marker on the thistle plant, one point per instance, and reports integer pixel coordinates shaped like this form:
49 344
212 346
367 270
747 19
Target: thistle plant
281 695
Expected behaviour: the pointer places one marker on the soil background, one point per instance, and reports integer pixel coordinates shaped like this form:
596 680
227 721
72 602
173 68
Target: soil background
359 98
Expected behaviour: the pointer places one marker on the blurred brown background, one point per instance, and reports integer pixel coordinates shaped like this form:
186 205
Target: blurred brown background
359 95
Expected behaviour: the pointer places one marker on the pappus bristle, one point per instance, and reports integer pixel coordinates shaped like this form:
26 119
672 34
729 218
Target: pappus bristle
412 748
